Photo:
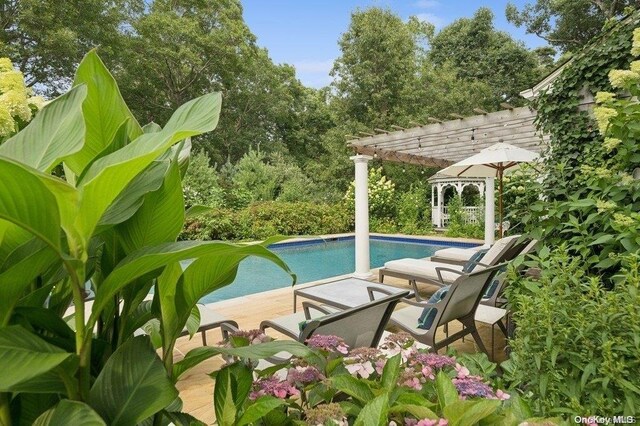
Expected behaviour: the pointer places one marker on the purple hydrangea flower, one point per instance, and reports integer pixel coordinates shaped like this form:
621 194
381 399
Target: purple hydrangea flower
432 360
272 386
472 386
328 343
303 375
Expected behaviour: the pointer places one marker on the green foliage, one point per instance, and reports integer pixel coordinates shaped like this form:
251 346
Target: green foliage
364 386
414 210
591 198
459 225
577 345
568 25
200 186
111 223
48 38
268 218
478 52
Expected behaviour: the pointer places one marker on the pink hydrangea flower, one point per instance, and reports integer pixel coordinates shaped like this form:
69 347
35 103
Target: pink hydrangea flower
362 369
433 360
502 395
462 371
426 422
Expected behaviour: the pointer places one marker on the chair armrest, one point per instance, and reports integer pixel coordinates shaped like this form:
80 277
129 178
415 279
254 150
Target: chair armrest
372 290
307 306
227 329
421 304
439 270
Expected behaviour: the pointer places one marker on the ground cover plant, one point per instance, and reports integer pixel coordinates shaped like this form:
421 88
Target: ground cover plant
328 383
89 198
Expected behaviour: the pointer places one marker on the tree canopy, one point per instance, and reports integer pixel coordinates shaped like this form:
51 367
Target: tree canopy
567 24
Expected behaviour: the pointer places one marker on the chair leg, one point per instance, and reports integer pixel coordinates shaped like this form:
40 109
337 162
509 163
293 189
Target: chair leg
204 338
502 328
471 325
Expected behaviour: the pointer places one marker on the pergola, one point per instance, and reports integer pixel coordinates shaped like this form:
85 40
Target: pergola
438 144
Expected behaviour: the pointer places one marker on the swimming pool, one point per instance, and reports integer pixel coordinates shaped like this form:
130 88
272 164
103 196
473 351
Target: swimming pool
318 259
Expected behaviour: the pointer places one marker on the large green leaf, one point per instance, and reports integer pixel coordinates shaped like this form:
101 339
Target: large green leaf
130 200
104 111
352 386
25 356
469 413
133 384
261 351
20 269
159 219
70 413
223 403
447 393
375 412
149 259
27 202
259 408
56 132
11 237
107 177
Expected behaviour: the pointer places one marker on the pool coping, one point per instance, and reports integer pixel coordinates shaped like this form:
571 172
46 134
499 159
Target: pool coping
419 239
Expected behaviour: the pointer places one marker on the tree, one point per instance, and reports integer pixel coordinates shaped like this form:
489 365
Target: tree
478 51
46 39
568 24
377 64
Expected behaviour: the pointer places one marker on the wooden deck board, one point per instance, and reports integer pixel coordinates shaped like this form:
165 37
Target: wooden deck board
196 387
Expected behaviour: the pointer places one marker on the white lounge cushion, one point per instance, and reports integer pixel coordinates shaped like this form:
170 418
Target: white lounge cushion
497 249
423 268
456 254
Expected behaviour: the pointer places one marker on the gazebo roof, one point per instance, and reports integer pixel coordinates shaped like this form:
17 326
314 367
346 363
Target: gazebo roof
443 143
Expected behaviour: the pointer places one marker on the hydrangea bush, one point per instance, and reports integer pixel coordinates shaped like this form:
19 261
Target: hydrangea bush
332 384
381 195
17 103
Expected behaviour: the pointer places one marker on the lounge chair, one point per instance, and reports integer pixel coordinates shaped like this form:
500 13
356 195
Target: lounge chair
440 274
209 320
360 326
455 255
422 319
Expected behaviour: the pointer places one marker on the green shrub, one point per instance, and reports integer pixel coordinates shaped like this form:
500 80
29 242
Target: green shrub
457 226
385 225
414 210
577 345
200 185
261 220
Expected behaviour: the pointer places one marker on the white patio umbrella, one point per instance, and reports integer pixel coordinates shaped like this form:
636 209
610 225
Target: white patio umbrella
493 161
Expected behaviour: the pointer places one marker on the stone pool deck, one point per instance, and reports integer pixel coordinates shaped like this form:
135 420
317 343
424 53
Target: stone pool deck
196 387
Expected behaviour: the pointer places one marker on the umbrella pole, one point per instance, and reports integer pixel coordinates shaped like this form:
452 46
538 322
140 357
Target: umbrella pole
500 172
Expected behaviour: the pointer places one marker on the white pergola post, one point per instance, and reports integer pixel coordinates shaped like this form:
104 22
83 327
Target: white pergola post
363 261
489 211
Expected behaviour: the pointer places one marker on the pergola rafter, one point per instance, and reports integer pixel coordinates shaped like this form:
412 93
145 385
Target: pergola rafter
443 143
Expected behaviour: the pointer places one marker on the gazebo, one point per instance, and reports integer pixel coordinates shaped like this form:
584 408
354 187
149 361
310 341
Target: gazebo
440 184
439 144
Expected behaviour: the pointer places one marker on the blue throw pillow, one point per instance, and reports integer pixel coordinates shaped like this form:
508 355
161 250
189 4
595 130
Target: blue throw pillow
429 314
494 284
473 260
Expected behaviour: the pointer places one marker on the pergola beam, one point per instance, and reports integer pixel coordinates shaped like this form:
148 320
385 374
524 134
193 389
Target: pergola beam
402 157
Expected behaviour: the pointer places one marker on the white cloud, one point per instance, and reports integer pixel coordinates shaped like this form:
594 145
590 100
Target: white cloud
314 66
437 21
427 4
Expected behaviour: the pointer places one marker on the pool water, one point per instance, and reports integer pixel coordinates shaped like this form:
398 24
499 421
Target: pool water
312 262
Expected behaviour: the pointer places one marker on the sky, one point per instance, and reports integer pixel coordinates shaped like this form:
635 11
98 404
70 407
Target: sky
305 33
